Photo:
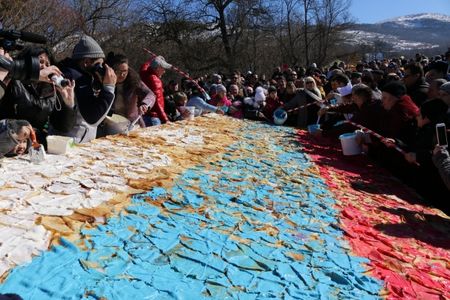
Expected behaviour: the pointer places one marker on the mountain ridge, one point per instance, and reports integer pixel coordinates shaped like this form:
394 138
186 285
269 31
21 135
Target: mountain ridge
425 31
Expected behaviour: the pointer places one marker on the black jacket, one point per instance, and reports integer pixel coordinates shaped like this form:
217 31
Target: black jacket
38 103
418 92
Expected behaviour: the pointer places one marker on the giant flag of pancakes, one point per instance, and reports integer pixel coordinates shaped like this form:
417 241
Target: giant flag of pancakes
216 208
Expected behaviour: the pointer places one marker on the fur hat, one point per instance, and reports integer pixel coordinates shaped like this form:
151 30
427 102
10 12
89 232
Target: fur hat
87 47
395 88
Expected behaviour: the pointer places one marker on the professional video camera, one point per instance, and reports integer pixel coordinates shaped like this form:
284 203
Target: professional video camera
11 40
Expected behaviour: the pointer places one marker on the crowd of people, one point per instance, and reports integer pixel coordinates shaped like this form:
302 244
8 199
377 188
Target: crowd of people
400 99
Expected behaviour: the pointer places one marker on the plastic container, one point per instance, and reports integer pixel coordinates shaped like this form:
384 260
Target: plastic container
279 116
116 124
58 144
313 128
349 144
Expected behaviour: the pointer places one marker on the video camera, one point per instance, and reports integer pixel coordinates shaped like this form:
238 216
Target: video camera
11 40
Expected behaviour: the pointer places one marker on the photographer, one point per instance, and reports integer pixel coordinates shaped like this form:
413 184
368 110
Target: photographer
43 104
94 88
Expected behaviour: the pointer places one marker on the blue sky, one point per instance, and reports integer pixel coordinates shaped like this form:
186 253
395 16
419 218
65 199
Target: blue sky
371 11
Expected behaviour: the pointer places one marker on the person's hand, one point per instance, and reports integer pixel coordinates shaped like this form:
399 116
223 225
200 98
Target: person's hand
410 157
438 149
68 93
110 77
330 96
219 111
389 142
45 72
143 109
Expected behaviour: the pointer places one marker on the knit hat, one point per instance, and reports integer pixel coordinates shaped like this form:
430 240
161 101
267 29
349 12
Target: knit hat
87 47
221 88
395 88
435 110
272 89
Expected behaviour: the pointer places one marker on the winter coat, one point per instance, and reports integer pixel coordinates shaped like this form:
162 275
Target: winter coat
93 102
150 79
131 100
39 104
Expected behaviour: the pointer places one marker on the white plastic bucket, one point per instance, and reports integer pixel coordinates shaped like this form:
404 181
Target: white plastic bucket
58 144
116 124
279 116
349 144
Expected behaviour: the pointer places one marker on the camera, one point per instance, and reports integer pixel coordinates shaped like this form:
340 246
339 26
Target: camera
100 69
21 69
27 69
59 80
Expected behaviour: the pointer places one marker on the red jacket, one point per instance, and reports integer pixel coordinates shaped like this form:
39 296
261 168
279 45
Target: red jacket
155 84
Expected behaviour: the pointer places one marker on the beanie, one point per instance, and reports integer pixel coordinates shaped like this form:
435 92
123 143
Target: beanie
395 88
213 89
87 47
221 88
272 89
435 110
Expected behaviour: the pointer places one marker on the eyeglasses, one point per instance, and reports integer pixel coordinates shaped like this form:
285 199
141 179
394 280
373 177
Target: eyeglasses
121 72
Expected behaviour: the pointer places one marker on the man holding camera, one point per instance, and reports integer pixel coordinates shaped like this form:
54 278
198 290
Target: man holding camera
94 88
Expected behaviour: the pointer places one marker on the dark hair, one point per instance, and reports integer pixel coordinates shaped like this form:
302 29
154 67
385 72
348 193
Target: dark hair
113 60
341 78
414 68
132 81
435 110
363 91
178 97
36 51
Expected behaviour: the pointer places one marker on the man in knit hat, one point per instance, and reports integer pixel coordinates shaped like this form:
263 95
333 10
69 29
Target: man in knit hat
94 88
